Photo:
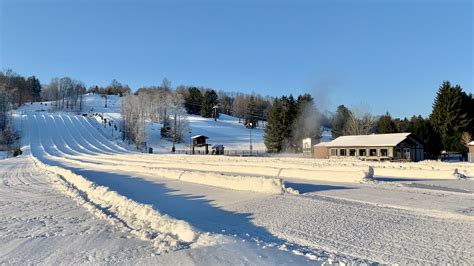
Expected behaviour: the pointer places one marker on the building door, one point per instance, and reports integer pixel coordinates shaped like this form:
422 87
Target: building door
406 153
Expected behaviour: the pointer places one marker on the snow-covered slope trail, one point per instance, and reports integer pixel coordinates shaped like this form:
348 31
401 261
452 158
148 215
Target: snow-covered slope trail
315 225
44 219
41 225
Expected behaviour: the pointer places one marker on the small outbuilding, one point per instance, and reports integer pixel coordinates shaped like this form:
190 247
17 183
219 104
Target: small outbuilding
308 146
200 141
218 149
470 155
395 146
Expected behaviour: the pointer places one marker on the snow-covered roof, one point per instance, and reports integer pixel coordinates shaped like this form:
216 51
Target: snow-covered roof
199 136
471 143
374 140
322 144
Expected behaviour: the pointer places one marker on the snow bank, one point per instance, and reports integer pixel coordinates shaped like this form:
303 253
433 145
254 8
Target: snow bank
166 233
420 173
236 182
258 184
340 175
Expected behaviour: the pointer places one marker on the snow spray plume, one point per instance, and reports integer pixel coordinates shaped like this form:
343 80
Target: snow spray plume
307 124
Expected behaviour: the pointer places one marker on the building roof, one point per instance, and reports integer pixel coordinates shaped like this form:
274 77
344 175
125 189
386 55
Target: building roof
374 140
199 136
471 143
322 144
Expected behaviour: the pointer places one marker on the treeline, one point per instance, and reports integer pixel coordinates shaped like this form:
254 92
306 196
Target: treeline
20 89
159 104
170 107
290 121
14 91
115 88
66 93
249 108
449 127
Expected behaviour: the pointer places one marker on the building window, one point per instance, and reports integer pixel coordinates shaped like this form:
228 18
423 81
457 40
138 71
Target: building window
352 152
362 152
342 152
333 152
373 152
383 152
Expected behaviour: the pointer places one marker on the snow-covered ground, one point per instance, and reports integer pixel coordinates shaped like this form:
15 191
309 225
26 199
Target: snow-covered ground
82 198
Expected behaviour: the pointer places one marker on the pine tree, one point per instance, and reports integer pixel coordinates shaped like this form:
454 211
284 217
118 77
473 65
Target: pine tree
209 101
468 107
193 101
422 129
250 118
339 121
449 117
275 129
34 88
386 125
290 111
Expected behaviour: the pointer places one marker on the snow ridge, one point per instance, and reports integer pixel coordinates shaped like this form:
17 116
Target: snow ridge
166 233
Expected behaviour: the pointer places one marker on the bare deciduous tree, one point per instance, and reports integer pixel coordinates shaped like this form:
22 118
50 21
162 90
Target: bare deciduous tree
360 121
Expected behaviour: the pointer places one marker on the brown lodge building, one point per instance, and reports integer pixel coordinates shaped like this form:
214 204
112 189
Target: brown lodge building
395 146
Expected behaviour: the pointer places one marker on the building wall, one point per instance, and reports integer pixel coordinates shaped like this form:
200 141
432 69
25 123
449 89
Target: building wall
340 150
320 152
470 155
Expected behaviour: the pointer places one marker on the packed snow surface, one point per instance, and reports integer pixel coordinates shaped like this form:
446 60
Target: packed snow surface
85 199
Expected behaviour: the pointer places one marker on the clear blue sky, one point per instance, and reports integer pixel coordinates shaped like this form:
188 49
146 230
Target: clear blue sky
391 55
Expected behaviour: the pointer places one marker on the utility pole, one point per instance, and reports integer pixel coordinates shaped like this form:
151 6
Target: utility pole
174 133
250 130
190 142
80 103
215 112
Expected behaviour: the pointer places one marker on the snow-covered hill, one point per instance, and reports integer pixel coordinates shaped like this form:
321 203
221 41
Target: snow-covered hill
225 131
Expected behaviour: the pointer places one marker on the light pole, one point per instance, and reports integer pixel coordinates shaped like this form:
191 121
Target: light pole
215 112
190 142
250 131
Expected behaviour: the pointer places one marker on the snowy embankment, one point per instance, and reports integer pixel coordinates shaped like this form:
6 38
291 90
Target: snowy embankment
240 175
259 184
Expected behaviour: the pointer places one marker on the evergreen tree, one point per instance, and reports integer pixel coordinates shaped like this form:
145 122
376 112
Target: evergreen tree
386 125
468 107
339 121
274 131
34 88
193 101
209 101
449 117
422 129
289 114
402 125
250 118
